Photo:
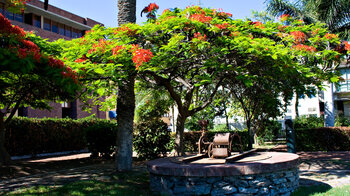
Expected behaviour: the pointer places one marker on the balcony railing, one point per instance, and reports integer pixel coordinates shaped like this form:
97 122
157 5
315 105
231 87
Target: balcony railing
343 87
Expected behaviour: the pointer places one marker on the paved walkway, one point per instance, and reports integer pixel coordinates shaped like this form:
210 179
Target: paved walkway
315 168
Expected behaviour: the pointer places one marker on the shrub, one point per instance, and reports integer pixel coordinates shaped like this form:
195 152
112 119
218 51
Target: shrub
308 122
272 129
101 138
341 121
220 128
151 139
323 139
33 136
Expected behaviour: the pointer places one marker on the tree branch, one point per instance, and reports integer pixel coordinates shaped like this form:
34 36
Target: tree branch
166 83
199 108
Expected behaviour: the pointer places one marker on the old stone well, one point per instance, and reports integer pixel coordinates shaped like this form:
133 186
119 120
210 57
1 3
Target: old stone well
259 173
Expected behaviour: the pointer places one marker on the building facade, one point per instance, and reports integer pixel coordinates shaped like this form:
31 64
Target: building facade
53 23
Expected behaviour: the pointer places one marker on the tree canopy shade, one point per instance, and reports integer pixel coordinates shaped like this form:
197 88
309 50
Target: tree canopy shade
29 76
191 53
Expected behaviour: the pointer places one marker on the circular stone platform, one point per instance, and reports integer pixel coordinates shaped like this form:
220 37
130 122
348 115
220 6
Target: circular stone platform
275 175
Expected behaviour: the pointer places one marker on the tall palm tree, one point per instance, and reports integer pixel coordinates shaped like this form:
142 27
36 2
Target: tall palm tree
334 13
125 98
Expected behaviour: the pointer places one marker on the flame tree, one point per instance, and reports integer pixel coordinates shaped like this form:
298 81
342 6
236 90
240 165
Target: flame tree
29 75
192 53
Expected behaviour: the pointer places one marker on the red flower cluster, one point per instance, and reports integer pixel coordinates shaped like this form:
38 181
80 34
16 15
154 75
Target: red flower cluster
222 26
150 9
141 56
199 36
7 28
18 2
56 63
330 36
30 45
299 36
101 45
80 60
302 47
236 33
221 13
258 24
22 53
285 17
201 18
116 50
67 72
126 30
347 46
281 28
315 32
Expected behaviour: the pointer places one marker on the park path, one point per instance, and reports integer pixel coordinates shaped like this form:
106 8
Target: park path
315 168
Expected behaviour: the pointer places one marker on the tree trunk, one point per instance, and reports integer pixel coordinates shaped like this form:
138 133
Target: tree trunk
127 11
125 119
4 155
226 116
180 128
126 99
296 106
251 135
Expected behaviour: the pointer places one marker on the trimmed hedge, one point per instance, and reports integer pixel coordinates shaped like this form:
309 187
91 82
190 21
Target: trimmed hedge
323 139
33 136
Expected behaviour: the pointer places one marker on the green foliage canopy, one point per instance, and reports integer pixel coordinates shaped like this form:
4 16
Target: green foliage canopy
28 74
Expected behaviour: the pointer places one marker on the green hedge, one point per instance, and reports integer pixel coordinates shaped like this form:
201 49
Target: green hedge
191 138
151 139
323 139
33 136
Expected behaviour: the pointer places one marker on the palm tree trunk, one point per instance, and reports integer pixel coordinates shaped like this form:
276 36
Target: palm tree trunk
125 119
127 11
126 99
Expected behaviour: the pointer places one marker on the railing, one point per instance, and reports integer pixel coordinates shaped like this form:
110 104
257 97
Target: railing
343 87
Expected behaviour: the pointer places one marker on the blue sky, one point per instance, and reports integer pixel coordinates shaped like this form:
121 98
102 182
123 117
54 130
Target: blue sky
105 11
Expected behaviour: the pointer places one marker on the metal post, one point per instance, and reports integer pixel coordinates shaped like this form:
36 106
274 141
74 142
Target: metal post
290 136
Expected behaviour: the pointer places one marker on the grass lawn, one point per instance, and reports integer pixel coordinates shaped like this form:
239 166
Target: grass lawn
137 183
129 183
322 190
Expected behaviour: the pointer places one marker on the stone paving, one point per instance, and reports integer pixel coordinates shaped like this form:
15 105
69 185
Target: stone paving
315 168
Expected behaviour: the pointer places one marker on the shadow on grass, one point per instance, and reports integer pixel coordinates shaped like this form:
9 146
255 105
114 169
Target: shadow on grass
128 183
311 187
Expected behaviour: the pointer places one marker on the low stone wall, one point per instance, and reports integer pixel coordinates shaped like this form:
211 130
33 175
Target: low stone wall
276 183
276 174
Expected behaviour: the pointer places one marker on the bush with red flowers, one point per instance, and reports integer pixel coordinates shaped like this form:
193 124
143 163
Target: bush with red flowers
29 75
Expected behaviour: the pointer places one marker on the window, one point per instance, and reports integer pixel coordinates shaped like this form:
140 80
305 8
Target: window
9 15
55 27
311 109
61 29
37 21
2 8
28 18
68 32
47 24
19 17
81 33
75 33
65 105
